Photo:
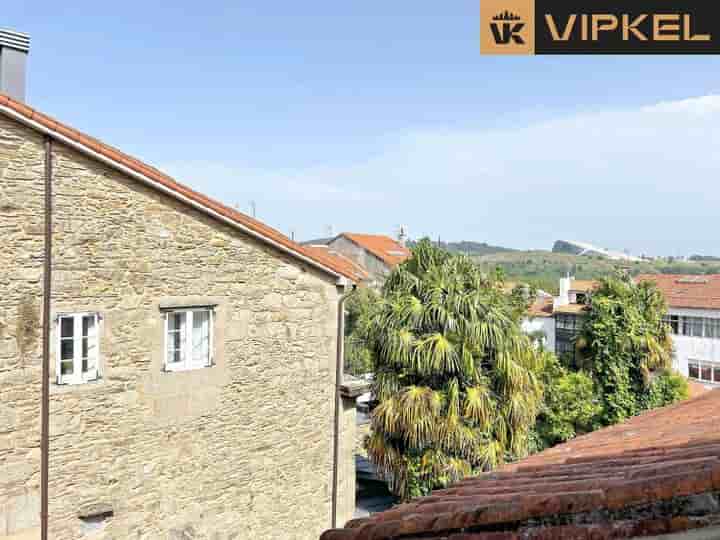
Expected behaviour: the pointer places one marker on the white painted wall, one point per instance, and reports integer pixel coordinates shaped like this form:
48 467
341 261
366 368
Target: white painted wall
696 348
544 324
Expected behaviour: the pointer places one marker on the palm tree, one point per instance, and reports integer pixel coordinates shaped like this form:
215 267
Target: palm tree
455 377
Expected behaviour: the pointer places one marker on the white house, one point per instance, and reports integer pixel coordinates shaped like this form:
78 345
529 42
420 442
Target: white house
693 316
694 319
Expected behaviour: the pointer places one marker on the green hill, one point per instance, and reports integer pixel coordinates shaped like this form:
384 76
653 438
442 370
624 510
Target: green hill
543 269
474 248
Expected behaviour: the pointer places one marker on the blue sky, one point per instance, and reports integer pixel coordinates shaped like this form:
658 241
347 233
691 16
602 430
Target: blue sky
365 116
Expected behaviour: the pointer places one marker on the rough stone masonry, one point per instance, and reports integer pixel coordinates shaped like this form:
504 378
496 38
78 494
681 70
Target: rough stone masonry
242 449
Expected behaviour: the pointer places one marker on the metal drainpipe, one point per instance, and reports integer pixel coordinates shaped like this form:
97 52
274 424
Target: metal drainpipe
339 366
47 291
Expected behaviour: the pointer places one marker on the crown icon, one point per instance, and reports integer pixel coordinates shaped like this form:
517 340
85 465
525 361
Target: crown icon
506 16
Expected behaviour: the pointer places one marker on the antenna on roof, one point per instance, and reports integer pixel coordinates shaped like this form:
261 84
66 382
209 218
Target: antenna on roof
253 209
329 231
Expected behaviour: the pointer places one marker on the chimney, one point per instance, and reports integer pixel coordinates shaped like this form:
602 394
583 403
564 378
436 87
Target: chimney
402 236
564 298
14 48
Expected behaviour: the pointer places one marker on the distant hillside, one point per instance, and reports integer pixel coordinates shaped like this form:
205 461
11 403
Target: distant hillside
475 249
543 269
583 248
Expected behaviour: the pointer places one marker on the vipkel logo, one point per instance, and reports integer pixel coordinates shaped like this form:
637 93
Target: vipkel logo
607 27
506 28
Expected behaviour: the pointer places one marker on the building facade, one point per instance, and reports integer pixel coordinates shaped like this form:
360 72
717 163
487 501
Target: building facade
374 254
193 353
694 320
693 317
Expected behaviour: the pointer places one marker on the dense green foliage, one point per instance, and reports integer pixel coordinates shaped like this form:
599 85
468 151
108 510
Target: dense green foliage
571 405
456 380
543 268
666 387
624 350
622 342
359 310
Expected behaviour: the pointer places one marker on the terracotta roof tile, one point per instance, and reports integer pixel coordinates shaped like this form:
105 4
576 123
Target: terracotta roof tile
383 247
541 307
572 309
341 261
270 234
688 291
654 474
583 285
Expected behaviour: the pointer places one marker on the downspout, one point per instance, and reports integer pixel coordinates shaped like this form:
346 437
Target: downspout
47 291
339 367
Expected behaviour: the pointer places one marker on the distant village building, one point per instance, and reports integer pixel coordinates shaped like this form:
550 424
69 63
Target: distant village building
376 255
693 317
193 353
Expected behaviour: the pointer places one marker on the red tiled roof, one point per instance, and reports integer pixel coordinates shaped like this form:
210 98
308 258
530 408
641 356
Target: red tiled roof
696 388
572 309
119 158
383 247
583 285
688 291
654 474
349 266
541 307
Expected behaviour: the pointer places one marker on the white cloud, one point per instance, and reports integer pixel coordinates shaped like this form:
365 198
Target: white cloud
698 106
643 179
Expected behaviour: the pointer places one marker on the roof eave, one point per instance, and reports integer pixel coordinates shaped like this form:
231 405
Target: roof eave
341 280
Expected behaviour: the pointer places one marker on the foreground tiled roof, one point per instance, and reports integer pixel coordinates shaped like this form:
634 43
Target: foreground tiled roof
688 291
383 247
656 473
123 160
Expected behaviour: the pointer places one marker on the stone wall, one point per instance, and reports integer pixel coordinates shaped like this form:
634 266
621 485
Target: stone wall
242 449
346 476
377 269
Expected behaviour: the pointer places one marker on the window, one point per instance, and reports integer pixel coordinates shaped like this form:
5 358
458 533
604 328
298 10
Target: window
188 339
564 347
567 322
704 371
78 348
694 326
712 328
674 322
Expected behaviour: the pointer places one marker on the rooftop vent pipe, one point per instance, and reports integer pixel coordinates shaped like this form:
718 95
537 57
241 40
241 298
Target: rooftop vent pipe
14 49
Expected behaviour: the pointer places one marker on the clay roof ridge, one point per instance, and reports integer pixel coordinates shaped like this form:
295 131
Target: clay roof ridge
121 159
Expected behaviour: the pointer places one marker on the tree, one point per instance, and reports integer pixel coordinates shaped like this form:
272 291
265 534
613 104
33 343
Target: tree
571 405
360 312
455 378
623 341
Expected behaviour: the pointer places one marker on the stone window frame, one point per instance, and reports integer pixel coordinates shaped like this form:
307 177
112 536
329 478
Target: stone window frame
78 376
187 363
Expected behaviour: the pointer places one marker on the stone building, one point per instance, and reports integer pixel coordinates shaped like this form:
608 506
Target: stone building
193 355
374 254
